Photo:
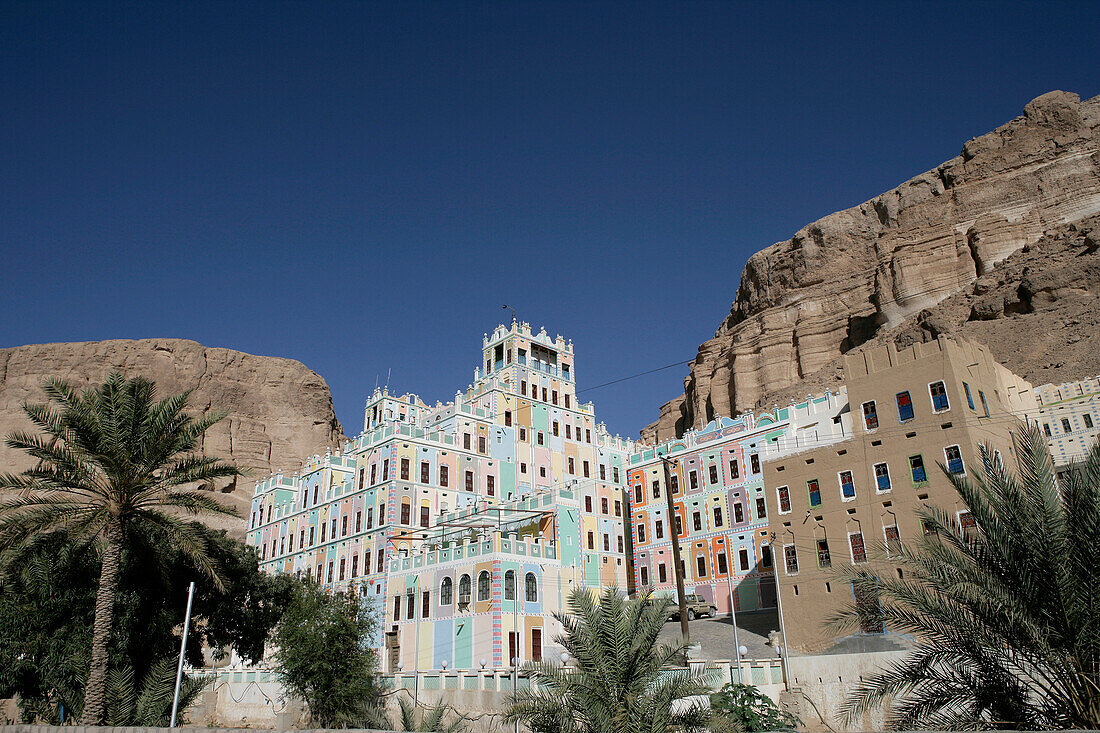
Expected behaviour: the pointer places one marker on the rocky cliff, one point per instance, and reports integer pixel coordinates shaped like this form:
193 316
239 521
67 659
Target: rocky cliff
870 271
279 410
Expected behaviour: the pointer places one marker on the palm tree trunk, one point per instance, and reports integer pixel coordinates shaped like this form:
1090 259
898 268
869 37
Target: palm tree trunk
95 693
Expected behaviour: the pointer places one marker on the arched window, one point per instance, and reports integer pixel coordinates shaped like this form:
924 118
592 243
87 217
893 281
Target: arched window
531 588
510 585
483 585
464 589
446 589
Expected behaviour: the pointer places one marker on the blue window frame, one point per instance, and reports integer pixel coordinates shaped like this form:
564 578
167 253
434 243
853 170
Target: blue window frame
847 485
882 476
905 406
939 396
969 397
813 488
916 468
954 459
985 405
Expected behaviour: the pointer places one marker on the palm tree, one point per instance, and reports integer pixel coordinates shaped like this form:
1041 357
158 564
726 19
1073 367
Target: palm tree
1006 614
111 460
433 719
619 682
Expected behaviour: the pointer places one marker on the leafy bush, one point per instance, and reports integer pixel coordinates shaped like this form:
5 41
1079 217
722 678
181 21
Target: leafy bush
745 708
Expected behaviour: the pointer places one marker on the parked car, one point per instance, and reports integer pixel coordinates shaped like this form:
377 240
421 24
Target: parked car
697 606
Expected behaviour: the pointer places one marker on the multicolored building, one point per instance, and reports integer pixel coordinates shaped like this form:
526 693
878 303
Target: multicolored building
1069 415
446 516
720 512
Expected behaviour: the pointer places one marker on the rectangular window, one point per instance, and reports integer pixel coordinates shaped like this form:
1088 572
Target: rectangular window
385 470
466 441
1088 421
359 520
397 608
723 568
554 397
588 504
523 434
701 566
406 509
859 551
585 466
697 521
343 565
714 474
893 540
693 480
905 406
939 396
674 483
641 533
1046 429
615 474
743 559
754 462
618 508
761 508
870 415
638 494
954 459
656 489
410 604
539 439
659 529
824 559
738 512
424 516
662 575
554 428
491 485
766 556
469 480
362 477
969 397
568 431
916 469
679 525
423 472
344 526
426 601
717 516
507 418
567 377
882 477
373 473
847 485
481 444
324 526
790 558
591 540
404 469
603 471
381 559
587 436
370 517
606 543
735 469
784 496
603 505
1065 425
444 475
813 490
355 566
966 520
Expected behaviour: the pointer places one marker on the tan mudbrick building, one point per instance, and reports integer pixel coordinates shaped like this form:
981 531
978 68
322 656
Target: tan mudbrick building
855 501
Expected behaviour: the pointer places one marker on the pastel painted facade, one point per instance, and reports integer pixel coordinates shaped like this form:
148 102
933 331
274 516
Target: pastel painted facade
717 482
1069 415
514 474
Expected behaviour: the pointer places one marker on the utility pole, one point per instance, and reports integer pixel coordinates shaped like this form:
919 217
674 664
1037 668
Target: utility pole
183 648
784 661
676 564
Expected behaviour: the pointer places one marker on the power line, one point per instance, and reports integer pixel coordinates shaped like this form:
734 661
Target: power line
635 376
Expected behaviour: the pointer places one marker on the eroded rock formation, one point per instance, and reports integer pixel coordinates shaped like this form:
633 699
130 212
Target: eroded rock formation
279 410
861 273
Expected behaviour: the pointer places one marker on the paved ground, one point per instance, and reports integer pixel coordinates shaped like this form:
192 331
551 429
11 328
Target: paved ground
716 634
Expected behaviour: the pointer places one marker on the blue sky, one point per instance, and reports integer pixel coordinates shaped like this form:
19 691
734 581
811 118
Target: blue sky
361 186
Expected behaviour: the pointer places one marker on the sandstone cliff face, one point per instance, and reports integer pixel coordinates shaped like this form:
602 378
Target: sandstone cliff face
279 410
861 273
